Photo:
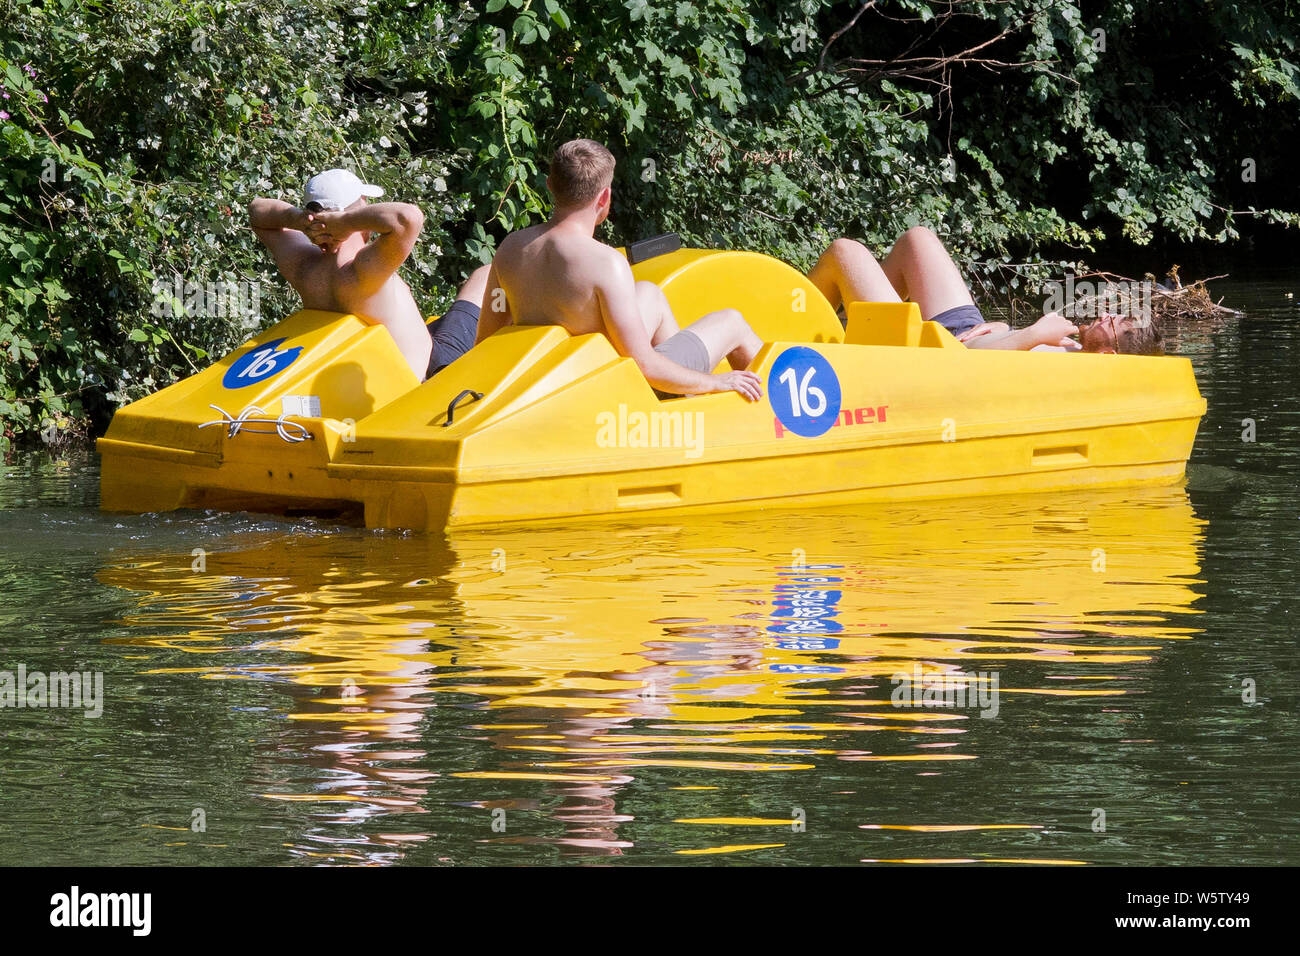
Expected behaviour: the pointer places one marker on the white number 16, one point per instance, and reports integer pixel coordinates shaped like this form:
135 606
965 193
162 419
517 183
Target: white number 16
799 400
263 363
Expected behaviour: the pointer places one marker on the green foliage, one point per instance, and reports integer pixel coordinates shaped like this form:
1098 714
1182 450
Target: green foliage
138 131
136 135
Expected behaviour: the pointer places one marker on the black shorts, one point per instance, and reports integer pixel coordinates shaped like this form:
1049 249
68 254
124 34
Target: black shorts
453 335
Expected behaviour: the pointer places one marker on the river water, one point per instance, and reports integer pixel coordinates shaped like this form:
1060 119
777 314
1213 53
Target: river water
294 692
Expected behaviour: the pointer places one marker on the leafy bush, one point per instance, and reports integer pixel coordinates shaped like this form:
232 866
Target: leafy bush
134 134
191 110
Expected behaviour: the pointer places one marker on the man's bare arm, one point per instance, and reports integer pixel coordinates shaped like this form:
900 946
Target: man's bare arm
495 313
280 227
398 225
1051 329
627 332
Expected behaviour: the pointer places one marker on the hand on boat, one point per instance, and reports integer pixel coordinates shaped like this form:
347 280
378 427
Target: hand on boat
746 383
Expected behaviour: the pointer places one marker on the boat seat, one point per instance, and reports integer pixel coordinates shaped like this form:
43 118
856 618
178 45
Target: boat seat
895 323
779 302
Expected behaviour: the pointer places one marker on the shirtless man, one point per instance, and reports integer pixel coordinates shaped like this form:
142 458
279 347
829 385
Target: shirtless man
919 269
557 273
323 250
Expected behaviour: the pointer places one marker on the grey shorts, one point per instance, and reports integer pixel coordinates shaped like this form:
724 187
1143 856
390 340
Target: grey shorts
686 349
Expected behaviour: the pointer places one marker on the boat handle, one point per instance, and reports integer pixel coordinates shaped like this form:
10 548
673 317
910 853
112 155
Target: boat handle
451 407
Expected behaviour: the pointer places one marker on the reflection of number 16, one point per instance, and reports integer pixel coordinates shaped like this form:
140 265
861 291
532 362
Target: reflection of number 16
799 403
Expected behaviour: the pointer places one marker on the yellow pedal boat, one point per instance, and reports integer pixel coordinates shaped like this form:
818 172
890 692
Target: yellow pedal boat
320 413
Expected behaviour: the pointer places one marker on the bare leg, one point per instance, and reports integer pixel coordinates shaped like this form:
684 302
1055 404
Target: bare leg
726 332
475 287
656 313
921 270
848 272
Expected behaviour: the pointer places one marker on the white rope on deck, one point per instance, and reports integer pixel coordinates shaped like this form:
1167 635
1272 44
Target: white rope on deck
282 426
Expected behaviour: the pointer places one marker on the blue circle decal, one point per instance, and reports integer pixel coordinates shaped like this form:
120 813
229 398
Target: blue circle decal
804 391
259 363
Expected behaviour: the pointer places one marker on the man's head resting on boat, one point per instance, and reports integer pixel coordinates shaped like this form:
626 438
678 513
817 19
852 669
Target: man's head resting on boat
1121 334
581 175
335 190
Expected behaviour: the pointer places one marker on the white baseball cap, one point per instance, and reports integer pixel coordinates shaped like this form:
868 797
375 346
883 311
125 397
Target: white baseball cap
336 189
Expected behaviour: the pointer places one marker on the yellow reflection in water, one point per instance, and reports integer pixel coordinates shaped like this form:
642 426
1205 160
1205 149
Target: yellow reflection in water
731 848
1032 861
623 648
